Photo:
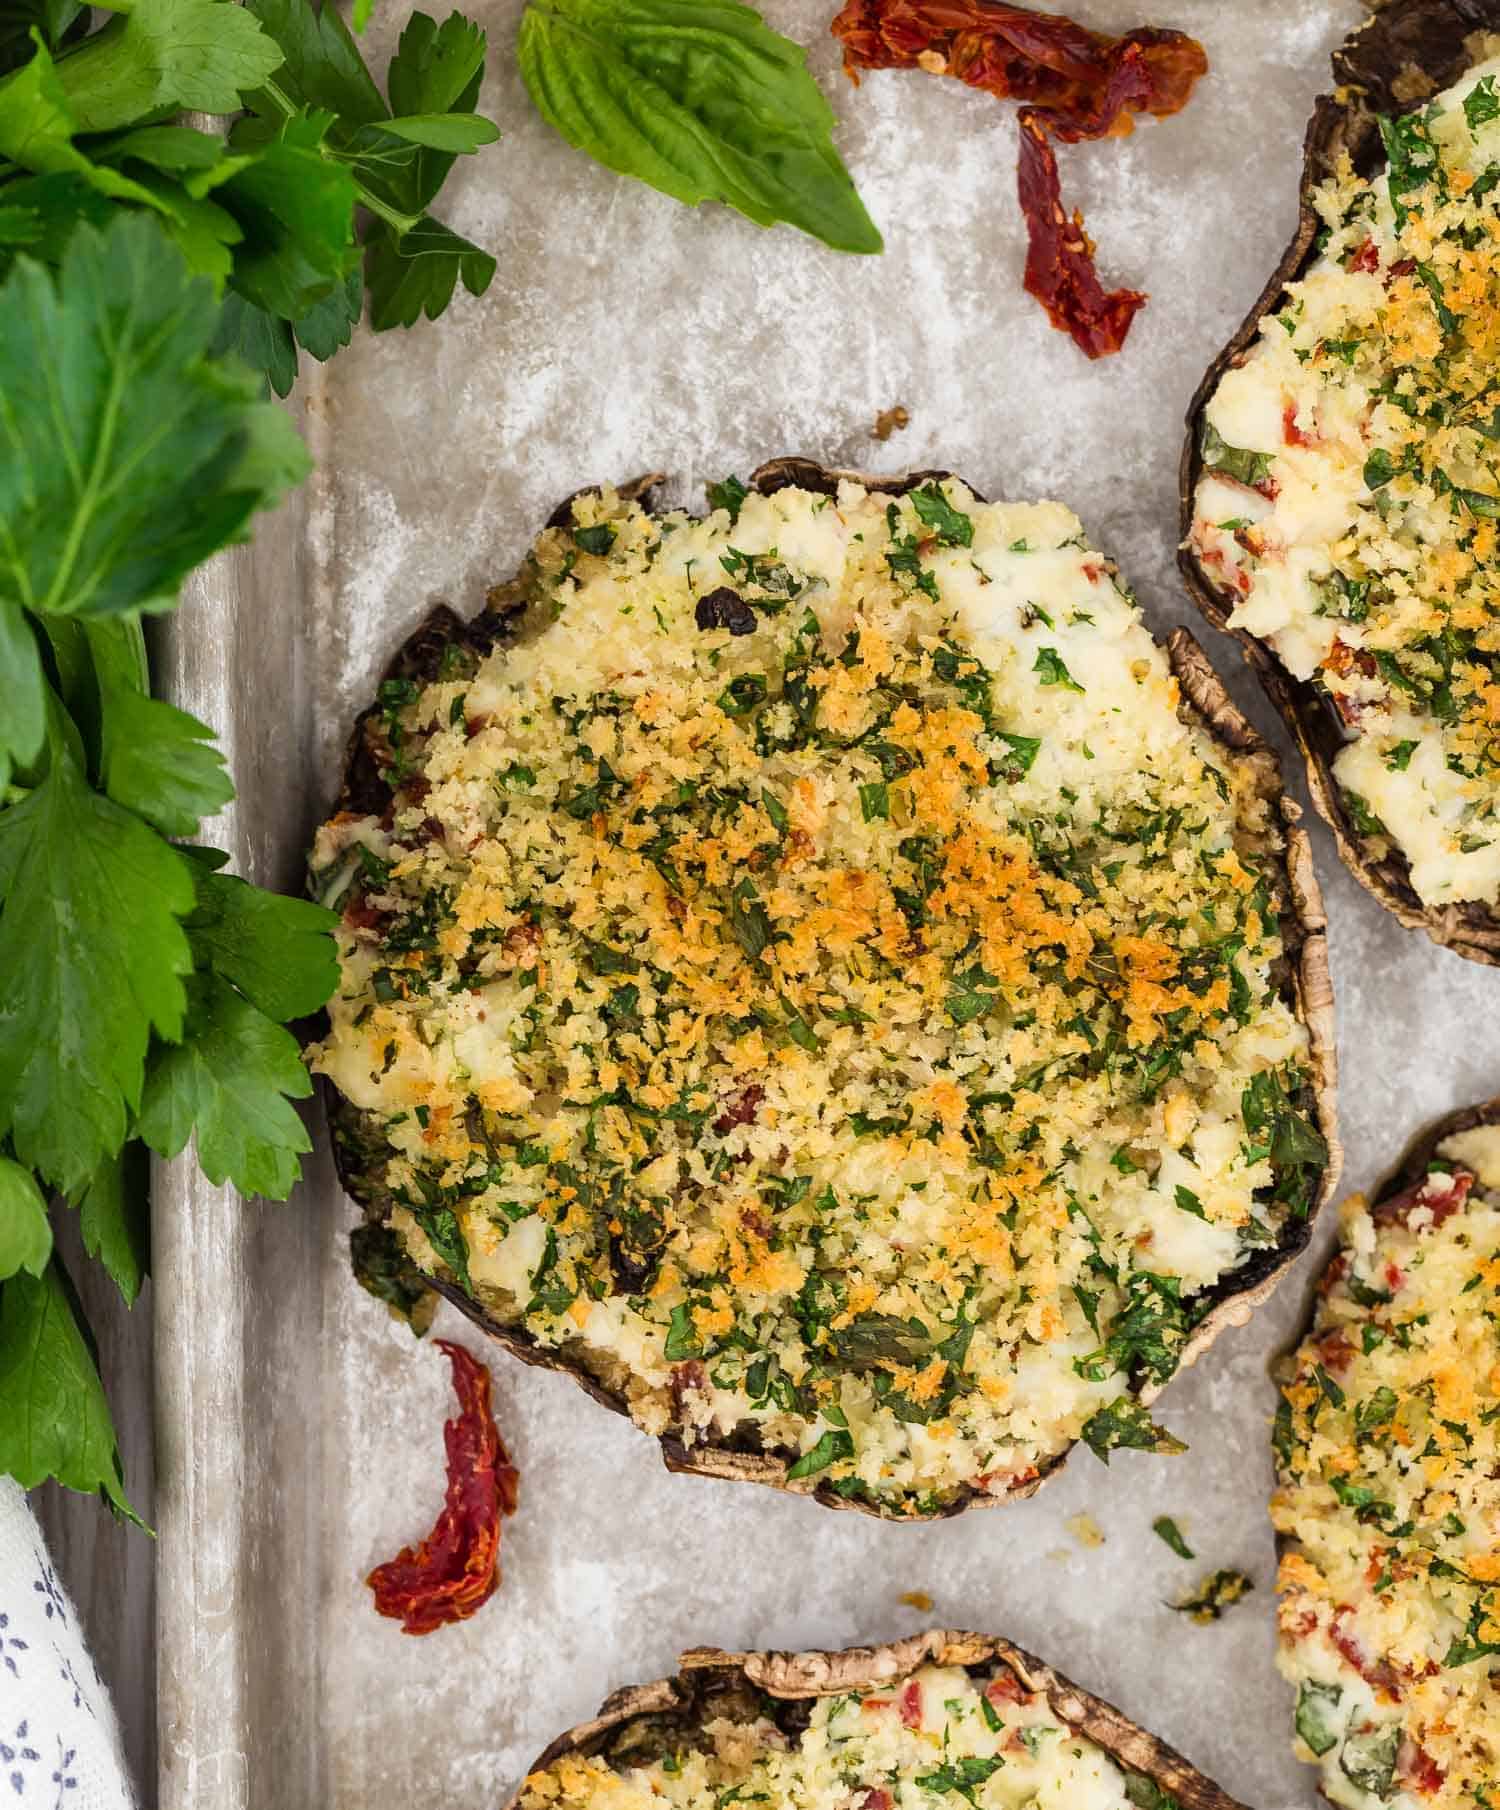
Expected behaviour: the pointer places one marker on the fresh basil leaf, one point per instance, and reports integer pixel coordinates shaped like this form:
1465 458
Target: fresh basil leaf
1318 1720
1237 462
1368 1759
700 99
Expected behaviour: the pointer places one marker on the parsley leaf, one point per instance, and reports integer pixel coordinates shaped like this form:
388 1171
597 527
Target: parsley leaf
156 759
54 1419
122 333
1481 104
1126 1424
417 274
1166 1529
832 1446
704 102
226 1080
276 950
1050 665
177 55
113 1218
91 960
25 1234
953 528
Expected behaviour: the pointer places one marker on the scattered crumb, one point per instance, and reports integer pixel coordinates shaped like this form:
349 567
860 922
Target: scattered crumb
916 1599
1214 1595
1086 1530
933 61
890 421
1059 1553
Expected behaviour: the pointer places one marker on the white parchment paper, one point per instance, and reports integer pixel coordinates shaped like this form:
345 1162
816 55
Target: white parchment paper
625 333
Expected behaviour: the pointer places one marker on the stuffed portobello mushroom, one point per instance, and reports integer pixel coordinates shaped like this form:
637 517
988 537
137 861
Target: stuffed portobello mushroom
821 974
1388 1498
1341 481
880 1727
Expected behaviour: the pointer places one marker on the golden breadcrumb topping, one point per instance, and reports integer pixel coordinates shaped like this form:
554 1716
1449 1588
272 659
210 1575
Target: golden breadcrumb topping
1388 1456
943 1736
814 976
1351 493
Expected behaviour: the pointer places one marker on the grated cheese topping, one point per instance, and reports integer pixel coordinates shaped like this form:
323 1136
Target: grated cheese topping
815 978
1388 1459
1351 489
945 1736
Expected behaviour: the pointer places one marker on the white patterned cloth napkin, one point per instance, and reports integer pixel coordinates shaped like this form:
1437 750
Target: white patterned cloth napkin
59 1742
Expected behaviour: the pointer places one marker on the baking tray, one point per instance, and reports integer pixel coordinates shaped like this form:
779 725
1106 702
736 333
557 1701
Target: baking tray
298 1426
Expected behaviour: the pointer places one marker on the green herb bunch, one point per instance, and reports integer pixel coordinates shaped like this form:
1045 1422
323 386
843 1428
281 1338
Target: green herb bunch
154 277
317 197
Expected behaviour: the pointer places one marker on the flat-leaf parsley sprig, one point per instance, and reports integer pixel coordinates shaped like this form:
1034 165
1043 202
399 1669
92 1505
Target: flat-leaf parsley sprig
143 991
321 193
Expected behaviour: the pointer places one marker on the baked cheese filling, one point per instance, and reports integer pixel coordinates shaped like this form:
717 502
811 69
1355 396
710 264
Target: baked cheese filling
942 1736
815 977
1352 486
1388 1456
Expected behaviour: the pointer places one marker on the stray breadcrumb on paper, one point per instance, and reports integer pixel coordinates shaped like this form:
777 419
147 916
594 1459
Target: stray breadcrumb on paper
890 421
1086 1530
916 1599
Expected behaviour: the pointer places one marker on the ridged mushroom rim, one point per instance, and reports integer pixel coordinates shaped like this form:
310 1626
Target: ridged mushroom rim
1387 1508
1341 479
892 1726
822 975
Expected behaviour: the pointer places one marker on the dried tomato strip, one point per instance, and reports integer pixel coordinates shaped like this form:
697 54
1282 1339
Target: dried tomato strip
456 1568
1060 269
1075 84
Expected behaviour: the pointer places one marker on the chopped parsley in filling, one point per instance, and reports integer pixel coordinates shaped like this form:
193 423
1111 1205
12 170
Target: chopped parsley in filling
814 976
1352 489
943 1737
1388 1456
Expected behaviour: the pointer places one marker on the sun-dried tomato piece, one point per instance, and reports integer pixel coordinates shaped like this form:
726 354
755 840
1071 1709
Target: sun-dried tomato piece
1090 81
1075 83
1060 255
457 1567
1442 1195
